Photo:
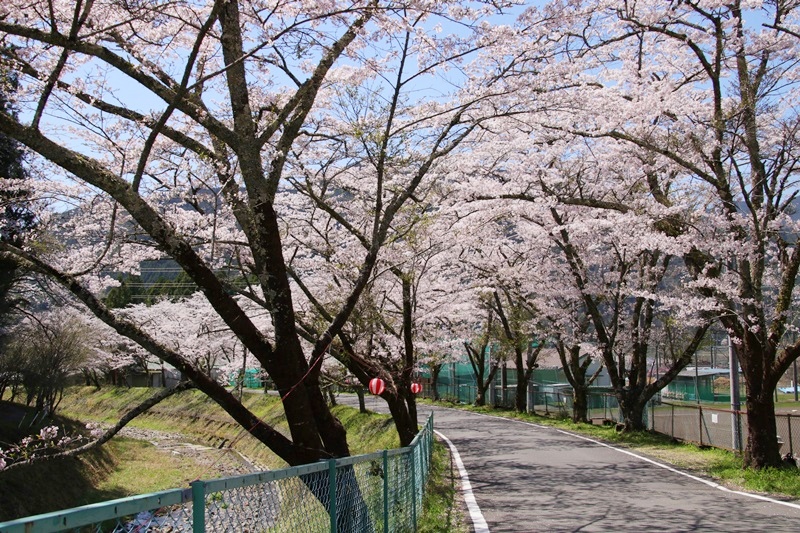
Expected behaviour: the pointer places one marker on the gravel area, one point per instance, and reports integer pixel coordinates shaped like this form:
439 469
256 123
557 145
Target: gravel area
219 462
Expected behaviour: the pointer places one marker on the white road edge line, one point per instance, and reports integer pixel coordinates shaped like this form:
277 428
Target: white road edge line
656 463
478 522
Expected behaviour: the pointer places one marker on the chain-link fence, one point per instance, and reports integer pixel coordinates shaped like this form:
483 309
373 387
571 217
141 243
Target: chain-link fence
547 399
706 426
379 492
720 428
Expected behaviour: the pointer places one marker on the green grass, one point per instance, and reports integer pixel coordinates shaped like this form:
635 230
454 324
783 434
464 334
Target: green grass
441 511
723 466
141 468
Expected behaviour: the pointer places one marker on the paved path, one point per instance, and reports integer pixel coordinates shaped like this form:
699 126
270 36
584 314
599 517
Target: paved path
532 478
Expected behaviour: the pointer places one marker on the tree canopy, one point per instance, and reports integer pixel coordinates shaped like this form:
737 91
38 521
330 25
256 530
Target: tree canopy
369 181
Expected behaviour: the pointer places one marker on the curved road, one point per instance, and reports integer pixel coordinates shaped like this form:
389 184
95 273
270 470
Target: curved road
529 478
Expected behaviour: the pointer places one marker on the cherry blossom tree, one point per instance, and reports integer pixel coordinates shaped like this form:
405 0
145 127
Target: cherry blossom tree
502 264
605 255
709 89
197 131
480 354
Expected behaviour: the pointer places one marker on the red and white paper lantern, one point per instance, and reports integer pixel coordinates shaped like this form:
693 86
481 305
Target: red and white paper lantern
376 386
416 388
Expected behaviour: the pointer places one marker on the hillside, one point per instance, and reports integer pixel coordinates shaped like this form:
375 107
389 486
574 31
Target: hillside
211 444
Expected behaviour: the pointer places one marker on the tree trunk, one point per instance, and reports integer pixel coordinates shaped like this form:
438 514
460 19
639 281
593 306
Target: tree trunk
580 404
362 405
435 370
404 420
483 386
521 401
480 396
762 433
632 409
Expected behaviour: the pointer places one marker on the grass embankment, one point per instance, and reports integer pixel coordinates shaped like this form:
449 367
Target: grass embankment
722 466
125 467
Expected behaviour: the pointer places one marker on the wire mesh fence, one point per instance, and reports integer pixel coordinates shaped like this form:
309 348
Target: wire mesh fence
375 493
718 427
707 426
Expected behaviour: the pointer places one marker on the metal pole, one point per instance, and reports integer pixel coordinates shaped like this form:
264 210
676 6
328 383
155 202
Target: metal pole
713 350
199 506
531 408
332 493
672 420
413 489
657 366
652 415
504 384
453 386
734 377
696 379
794 382
385 491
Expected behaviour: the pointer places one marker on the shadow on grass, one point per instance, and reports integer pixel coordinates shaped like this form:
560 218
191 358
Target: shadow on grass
54 485
50 485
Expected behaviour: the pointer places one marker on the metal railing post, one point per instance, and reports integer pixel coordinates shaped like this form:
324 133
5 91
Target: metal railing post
198 506
672 420
385 491
332 493
413 490
652 415
700 407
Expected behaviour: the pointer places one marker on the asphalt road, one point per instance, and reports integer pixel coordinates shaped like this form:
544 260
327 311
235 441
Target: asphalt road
529 478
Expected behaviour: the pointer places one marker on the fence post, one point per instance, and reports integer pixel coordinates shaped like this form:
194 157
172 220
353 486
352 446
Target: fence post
672 419
332 492
198 506
791 446
700 408
652 415
413 489
385 491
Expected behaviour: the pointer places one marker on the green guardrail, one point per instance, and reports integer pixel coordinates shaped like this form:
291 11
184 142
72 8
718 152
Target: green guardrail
378 492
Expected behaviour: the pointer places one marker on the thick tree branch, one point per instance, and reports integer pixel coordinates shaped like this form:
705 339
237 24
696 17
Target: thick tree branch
107 435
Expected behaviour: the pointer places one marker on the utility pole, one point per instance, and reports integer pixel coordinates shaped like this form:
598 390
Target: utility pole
734 376
696 378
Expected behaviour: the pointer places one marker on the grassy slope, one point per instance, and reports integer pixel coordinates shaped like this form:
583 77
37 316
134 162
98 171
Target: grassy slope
125 467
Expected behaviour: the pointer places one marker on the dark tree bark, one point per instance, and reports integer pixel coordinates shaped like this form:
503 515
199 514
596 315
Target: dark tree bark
436 369
576 370
525 354
478 357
